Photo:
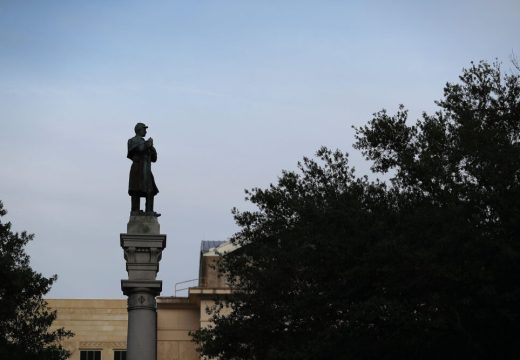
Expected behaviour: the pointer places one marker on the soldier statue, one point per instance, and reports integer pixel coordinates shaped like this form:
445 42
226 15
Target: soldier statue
141 182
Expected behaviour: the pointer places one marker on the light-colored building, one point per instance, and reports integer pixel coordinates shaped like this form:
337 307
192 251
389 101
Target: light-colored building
100 325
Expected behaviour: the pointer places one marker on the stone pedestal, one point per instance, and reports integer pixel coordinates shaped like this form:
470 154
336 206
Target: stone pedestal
143 246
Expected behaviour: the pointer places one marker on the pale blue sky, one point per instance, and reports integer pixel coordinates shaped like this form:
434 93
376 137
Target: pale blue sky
233 92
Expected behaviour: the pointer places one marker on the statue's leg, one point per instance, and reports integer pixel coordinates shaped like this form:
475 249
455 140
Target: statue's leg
149 207
135 205
149 204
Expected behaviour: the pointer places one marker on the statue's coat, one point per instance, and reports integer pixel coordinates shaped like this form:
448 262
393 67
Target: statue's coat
141 182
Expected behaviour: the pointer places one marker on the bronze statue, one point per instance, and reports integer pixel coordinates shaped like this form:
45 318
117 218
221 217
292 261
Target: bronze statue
141 182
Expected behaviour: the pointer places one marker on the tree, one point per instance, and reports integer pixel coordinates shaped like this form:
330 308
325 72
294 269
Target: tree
25 319
425 265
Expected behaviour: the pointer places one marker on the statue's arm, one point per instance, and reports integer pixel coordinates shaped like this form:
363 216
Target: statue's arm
153 154
135 146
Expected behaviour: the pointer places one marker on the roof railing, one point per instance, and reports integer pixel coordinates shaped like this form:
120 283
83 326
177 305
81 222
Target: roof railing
186 285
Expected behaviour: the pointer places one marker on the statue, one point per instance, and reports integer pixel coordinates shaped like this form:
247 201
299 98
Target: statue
141 182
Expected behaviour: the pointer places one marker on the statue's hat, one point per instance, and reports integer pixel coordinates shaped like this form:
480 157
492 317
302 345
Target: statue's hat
140 125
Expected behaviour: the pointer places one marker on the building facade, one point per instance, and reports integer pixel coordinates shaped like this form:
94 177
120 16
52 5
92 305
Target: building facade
99 326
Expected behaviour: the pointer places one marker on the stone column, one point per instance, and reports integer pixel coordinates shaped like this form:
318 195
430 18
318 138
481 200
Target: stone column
143 246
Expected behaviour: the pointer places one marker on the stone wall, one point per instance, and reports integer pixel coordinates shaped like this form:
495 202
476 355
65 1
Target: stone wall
176 317
98 324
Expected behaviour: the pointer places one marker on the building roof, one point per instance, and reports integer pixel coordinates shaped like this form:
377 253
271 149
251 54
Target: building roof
216 248
206 245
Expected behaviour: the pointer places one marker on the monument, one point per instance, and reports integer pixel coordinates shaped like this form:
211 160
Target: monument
141 182
143 245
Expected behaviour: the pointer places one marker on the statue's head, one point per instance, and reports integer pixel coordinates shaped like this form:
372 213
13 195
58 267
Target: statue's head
140 129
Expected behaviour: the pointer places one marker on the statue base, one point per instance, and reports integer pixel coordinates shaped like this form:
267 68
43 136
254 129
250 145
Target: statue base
143 246
142 224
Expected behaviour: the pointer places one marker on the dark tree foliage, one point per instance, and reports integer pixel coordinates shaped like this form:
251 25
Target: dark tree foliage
25 319
425 266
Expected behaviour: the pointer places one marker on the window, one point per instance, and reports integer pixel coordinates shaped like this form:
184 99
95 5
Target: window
90 355
119 354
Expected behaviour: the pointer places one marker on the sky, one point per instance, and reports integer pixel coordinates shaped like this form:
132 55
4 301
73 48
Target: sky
233 92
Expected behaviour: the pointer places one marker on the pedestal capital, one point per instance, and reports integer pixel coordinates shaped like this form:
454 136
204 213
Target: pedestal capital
142 254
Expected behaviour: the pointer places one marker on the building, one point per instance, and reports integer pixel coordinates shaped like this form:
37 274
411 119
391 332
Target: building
100 325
